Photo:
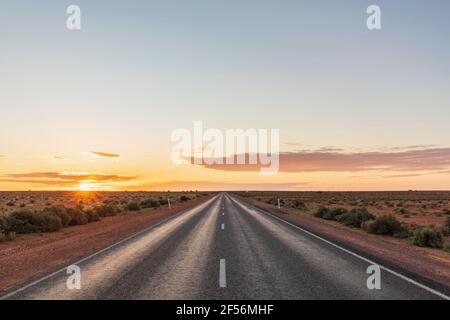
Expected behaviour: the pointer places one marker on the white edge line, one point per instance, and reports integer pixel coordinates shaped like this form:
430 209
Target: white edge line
6 296
420 285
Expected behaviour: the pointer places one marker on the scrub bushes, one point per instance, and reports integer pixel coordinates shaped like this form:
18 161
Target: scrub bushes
132 206
150 203
386 225
355 218
428 237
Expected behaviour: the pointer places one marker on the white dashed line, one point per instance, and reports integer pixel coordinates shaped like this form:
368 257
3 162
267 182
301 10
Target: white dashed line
222 274
223 226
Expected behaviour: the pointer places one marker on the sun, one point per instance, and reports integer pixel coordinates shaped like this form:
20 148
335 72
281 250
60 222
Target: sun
85 187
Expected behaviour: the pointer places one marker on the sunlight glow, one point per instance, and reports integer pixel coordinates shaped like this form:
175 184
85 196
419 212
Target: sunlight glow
85 187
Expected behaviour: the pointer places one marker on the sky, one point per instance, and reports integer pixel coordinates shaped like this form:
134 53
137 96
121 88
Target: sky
95 108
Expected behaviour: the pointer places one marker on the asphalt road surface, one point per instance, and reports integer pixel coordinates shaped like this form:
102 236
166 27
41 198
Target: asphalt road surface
223 249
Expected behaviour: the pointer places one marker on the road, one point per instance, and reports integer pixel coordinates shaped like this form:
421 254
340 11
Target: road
224 249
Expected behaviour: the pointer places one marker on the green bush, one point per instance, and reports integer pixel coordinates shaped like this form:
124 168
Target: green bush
355 218
4 226
163 202
150 203
447 246
105 210
335 213
92 216
132 206
298 204
446 228
61 213
31 222
184 198
330 214
48 222
22 222
384 225
428 237
321 212
77 217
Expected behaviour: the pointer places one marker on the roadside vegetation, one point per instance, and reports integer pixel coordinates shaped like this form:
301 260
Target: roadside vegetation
87 208
422 218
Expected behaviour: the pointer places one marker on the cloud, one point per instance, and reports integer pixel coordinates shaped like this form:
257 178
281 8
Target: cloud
295 144
330 160
63 178
221 186
104 154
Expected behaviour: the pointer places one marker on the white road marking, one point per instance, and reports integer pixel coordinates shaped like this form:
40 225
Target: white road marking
223 226
399 275
222 274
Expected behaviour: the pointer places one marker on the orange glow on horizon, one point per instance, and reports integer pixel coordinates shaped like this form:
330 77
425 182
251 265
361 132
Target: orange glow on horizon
85 187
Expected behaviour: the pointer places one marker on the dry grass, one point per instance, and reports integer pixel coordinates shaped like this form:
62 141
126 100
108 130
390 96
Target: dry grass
36 201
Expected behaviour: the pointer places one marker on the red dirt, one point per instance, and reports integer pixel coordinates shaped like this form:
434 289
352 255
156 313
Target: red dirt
32 255
428 263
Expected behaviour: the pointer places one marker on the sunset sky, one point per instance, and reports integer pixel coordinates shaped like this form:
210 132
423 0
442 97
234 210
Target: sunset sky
94 109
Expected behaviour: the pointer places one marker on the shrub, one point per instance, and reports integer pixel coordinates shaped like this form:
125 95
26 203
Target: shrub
92 216
403 233
150 203
428 237
299 204
31 222
61 213
48 222
132 206
446 227
22 222
447 246
105 210
184 198
77 217
321 212
330 214
163 202
3 225
334 214
355 218
384 225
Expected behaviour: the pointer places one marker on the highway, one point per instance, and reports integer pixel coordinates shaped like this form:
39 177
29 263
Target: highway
224 249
